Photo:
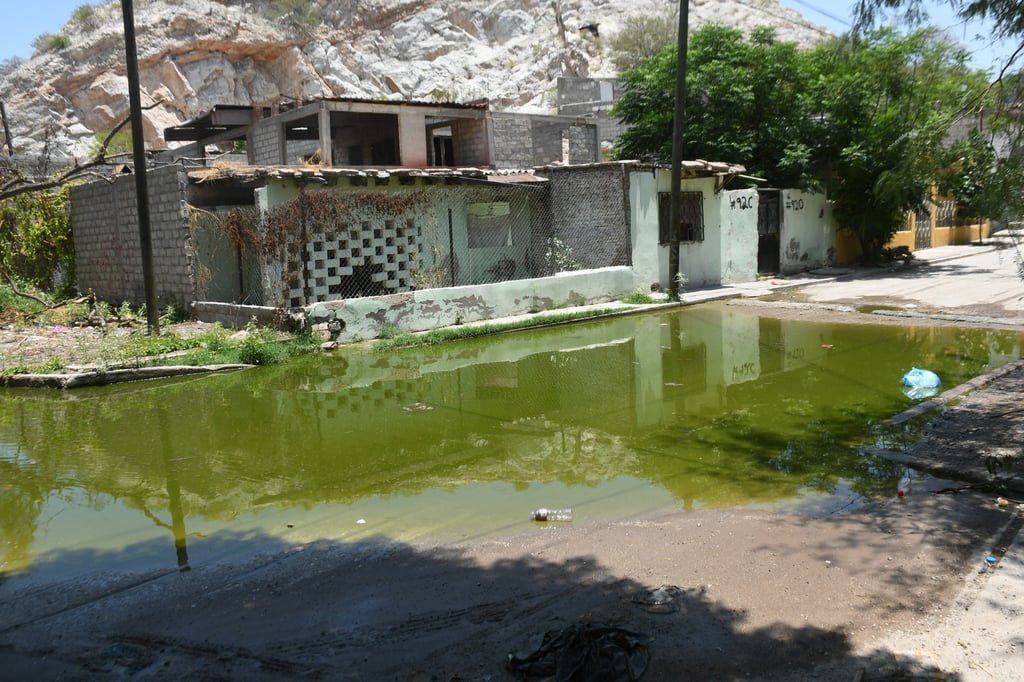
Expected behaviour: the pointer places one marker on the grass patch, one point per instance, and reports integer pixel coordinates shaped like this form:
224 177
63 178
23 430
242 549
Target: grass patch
259 346
13 305
638 297
48 367
436 336
872 308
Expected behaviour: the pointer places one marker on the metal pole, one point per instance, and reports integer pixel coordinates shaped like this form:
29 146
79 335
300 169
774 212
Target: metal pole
677 150
139 157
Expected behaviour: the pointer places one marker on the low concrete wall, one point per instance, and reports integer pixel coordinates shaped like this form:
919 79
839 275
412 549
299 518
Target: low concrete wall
234 315
364 318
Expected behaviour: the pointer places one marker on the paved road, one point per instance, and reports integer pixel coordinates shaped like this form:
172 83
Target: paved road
971 280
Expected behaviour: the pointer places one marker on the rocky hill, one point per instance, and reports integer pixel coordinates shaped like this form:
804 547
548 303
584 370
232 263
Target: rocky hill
197 53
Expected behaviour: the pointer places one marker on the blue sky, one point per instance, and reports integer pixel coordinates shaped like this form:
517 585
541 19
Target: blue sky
24 20
987 53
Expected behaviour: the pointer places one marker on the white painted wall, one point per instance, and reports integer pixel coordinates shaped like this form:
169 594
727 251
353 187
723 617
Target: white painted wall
739 229
643 220
808 231
700 262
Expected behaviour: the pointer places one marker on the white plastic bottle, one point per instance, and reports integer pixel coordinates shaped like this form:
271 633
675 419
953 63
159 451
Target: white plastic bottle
544 514
904 486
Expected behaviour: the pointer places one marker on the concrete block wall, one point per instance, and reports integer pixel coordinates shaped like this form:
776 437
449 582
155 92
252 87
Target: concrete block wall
385 251
583 144
808 232
549 143
364 318
470 143
513 141
266 143
523 141
590 211
593 98
108 255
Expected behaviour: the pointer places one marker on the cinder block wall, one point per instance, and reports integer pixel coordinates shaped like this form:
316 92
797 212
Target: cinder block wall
267 143
108 254
548 140
590 212
513 141
469 142
583 144
592 97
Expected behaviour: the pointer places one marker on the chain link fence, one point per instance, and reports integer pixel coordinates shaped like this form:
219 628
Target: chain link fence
328 244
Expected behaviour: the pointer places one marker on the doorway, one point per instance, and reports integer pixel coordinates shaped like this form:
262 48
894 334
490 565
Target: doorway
768 223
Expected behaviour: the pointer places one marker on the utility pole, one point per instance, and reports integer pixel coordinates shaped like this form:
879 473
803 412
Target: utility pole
139 157
677 150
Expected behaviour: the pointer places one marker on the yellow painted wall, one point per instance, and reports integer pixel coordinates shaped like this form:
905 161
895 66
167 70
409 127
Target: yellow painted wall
848 248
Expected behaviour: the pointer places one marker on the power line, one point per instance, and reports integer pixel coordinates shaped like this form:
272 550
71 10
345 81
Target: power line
805 24
823 13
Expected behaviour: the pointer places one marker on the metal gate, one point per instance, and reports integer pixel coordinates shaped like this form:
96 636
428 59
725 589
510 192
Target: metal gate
923 228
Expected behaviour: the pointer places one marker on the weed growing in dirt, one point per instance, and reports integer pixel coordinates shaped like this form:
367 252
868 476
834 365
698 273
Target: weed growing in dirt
638 297
48 367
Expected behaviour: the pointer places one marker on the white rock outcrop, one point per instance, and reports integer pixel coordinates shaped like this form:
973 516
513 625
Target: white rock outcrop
194 54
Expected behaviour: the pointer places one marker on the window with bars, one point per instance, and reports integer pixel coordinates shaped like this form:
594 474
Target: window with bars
691 216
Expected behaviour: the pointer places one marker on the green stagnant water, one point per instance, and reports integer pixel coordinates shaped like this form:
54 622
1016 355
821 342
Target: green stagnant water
619 418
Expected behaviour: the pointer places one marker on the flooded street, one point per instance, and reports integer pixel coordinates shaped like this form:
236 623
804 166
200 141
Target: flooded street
697 408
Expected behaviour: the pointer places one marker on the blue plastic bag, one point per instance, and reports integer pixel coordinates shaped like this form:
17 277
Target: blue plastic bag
920 383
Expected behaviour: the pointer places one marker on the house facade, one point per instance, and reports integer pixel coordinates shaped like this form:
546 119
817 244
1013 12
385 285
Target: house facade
726 236
360 214
356 250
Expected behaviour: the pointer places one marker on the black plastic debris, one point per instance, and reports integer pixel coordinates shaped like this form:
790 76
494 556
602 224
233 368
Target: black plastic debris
583 652
663 599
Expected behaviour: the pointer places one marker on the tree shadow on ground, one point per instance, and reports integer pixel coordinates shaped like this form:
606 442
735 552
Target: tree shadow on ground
385 611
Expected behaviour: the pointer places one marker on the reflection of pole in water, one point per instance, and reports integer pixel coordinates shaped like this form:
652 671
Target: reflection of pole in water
177 518
173 494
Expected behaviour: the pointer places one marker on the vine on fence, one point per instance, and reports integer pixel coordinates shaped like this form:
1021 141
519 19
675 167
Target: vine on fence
280 235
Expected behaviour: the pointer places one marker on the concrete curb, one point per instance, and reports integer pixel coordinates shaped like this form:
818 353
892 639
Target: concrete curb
113 376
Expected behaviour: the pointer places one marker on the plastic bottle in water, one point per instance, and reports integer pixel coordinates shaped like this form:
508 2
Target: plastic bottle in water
904 487
544 514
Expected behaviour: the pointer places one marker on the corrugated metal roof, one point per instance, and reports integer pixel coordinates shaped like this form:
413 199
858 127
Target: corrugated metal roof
229 172
692 167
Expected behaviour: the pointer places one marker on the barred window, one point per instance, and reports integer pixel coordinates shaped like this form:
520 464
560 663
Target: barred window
691 216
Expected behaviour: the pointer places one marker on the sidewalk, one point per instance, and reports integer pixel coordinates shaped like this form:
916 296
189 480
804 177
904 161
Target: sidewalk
766 286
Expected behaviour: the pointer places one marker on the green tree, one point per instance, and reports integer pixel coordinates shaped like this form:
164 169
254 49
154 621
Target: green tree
643 36
36 239
85 18
887 103
864 117
1007 16
746 103
35 228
